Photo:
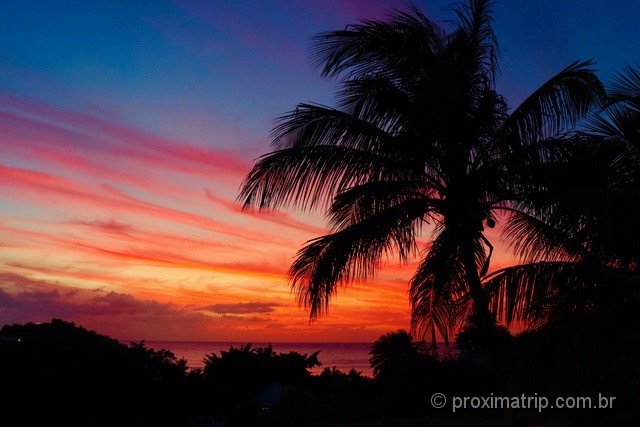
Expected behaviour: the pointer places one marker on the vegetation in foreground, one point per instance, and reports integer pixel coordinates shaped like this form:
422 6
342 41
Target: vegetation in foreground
60 373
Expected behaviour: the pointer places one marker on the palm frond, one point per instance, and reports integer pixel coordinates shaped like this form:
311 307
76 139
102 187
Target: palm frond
309 177
608 228
475 21
438 290
617 123
360 202
315 125
378 47
534 293
625 88
586 207
378 101
534 239
556 106
609 123
352 254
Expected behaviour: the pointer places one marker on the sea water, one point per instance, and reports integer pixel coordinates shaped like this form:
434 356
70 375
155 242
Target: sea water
342 356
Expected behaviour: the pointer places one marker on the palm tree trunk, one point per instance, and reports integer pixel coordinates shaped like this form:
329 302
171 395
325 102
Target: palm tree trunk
483 317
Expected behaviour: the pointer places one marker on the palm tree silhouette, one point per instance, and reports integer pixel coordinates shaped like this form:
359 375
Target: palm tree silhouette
580 240
419 137
577 290
392 352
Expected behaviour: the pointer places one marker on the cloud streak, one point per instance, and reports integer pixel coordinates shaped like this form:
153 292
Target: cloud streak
241 308
43 124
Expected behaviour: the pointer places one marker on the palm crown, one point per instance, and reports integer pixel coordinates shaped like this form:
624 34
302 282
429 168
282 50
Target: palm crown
418 137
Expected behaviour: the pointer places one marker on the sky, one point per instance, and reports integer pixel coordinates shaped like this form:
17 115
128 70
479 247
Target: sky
126 129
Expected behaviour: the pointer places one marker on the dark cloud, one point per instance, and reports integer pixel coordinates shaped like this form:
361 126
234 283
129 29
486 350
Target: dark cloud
43 305
251 319
121 315
110 226
23 299
20 281
241 308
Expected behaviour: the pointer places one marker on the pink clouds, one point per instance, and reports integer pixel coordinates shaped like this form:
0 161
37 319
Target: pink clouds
95 158
39 187
276 217
25 121
161 240
166 245
138 236
174 259
43 184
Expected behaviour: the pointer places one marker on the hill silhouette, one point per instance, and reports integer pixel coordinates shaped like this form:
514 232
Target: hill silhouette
61 372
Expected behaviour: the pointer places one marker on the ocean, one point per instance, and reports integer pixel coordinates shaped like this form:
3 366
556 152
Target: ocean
342 356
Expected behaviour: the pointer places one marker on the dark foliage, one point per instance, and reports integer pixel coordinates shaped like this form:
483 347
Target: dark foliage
471 339
258 386
592 354
244 380
62 373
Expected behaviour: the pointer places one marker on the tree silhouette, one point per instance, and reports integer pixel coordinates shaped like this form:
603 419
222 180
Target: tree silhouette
241 372
406 375
394 352
577 289
419 138
579 240
62 374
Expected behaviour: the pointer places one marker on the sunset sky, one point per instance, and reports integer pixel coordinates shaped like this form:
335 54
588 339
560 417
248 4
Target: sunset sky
126 128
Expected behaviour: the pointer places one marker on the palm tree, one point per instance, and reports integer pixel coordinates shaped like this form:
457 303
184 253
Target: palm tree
419 137
393 352
578 287
579 240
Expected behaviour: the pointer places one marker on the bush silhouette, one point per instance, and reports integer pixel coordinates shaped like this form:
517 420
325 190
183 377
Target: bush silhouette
62 373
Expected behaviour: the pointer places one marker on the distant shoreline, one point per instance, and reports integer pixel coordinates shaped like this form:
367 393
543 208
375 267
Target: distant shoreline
342 356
